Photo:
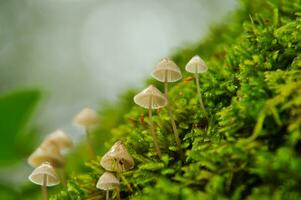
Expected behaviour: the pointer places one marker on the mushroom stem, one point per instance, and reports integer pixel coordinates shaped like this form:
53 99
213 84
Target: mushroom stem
89 142
173 123
107 195
152 130
200 94
44 187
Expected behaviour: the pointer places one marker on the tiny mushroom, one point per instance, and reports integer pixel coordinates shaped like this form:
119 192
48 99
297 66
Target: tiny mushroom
107 182
151 98
59 138
197 65
118 159
167 71
87 118
47 152
45 176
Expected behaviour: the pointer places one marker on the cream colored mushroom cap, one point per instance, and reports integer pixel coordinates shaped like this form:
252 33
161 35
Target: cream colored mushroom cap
37 176
59 138
196 65
87 117
107 182
150 98
167 69
117 159
46 153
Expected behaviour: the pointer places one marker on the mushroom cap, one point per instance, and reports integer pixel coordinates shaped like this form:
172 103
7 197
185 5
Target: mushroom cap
117 158
59 138
87 117
196 65
107 181
150 98
167 69
46 153
38 173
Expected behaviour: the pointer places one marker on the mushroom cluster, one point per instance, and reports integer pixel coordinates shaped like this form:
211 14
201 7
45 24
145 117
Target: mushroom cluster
117 160
48 157
150 98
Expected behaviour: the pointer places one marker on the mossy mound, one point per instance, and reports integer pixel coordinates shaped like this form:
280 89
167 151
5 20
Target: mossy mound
250 148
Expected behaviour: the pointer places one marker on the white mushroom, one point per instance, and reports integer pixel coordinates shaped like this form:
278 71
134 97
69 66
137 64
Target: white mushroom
88 119
47 152
151 98
167 71
197 65
117 159
59 138
45 176
107 182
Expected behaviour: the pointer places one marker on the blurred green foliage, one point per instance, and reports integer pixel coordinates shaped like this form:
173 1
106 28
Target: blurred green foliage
17 138
251 146
15 112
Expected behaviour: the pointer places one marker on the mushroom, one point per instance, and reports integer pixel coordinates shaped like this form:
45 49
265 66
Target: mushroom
118 159
87 118
197 65
151 98
107 182
59 138
167 71
63 142
47 152
45 176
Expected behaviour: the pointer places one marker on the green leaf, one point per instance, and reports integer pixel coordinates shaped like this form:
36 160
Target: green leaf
15 111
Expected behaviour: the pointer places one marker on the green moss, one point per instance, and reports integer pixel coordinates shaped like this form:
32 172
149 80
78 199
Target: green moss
251 146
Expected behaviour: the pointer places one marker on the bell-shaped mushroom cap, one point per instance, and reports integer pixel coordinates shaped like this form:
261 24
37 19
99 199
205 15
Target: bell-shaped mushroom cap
117 158
150 98
37 176
107 182
196 65
86 118
47 152
167 70
59 138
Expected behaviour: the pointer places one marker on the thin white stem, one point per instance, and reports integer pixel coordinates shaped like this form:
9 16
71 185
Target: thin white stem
44 187
169 109
152 130
89 142
200 94
107 195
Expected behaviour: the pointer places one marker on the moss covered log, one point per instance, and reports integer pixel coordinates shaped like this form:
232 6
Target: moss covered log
250 148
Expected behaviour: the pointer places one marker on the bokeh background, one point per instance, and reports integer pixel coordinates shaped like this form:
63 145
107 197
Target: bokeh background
57 56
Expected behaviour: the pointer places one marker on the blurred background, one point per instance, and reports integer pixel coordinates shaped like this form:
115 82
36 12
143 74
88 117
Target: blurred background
57 56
